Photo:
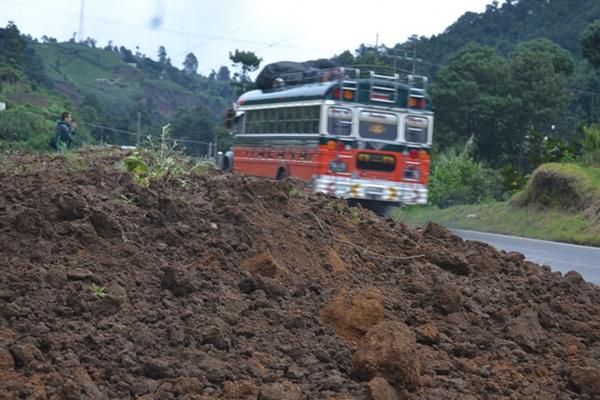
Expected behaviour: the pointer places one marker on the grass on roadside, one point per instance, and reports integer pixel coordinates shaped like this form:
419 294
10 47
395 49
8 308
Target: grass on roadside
500 217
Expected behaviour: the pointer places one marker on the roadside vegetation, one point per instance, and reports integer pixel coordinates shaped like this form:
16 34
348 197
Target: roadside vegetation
560 201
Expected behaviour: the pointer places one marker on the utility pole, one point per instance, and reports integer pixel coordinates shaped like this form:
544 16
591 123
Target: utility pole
414 66
138 133
81 22
216 145
414 38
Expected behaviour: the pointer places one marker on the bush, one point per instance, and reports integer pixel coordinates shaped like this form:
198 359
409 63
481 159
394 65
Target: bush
457 179
19 124
591 145
512 179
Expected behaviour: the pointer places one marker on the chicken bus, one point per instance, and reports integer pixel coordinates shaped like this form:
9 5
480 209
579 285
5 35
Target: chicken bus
360 136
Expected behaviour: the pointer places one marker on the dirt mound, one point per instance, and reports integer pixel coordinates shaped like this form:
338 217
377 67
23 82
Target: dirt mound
226 287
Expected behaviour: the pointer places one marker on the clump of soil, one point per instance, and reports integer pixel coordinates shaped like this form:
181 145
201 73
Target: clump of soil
226 287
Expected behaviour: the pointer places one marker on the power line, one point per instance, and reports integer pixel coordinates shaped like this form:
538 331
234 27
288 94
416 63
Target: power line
165 30
148 136
256 51
217 37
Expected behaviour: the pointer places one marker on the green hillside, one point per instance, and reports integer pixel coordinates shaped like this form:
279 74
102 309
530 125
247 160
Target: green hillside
504 26
111 92
106 90
31 105
80 71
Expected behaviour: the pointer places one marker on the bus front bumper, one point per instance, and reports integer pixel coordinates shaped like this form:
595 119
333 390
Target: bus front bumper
365 189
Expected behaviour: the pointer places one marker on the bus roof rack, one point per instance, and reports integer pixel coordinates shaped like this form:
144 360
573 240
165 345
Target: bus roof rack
348 78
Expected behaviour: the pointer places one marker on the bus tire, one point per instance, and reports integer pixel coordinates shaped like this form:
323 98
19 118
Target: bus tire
281 174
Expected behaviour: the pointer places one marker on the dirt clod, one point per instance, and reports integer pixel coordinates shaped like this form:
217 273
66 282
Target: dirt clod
389 350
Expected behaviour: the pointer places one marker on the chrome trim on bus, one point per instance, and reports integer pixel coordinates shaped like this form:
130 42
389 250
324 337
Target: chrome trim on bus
371 189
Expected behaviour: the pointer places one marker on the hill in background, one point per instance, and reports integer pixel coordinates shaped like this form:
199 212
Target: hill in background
106 89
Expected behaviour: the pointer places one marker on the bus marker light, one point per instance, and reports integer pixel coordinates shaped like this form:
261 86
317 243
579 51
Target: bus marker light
413 154
331 145
348 95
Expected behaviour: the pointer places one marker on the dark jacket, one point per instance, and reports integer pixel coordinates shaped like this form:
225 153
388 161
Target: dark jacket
64 134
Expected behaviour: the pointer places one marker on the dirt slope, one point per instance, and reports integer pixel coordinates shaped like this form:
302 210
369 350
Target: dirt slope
226 287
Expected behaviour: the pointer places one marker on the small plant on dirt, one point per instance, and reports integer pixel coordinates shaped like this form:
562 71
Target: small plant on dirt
184 184
355 218
203 167
336 206
155 159
125 199
75 162
99 291
294 192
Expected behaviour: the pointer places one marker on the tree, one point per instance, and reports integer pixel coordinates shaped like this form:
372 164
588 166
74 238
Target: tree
195 126
500 102
90 42
590 44
162 55
539 69
472 100
11 45
190 65
248 62
224 74
345 59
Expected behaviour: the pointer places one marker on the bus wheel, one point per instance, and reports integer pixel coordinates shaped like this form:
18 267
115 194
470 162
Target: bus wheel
281 174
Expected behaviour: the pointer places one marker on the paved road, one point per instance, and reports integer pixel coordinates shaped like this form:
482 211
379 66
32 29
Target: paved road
561 257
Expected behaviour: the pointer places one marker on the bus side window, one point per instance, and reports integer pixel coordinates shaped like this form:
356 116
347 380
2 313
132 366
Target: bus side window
258 116
265 121
316 118
279 120
297 120
339 121
306 119
248 122
288 116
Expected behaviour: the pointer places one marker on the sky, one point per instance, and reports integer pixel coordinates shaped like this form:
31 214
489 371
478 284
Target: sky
276 30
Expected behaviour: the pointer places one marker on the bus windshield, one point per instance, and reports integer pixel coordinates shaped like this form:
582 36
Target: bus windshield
377 125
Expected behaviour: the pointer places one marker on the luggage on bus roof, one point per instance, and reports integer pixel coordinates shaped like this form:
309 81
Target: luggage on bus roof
291 72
